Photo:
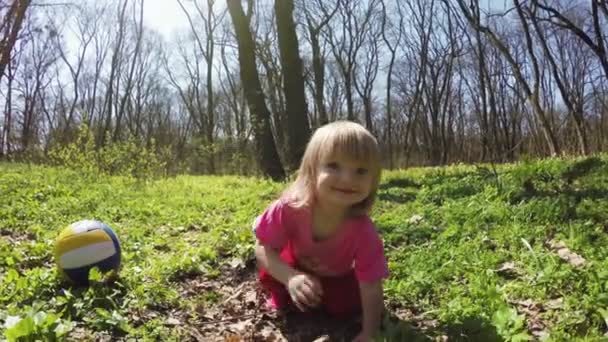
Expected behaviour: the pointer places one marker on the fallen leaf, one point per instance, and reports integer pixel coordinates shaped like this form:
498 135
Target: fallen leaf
528 303
241 326
507 270
173 321
251 297
237 263
233 338
573 258
196 334
566 254
557 303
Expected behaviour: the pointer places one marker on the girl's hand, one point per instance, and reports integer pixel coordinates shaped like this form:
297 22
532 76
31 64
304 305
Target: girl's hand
305 291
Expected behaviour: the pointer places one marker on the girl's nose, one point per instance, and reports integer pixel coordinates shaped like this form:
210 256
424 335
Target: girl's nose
346 175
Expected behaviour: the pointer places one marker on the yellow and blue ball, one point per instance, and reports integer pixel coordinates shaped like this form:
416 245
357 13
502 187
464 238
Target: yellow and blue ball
84 245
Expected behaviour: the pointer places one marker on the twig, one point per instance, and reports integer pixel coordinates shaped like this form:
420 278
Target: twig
197 335
229 319
236 294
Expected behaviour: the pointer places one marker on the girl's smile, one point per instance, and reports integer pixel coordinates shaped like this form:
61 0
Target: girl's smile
345 191
342 181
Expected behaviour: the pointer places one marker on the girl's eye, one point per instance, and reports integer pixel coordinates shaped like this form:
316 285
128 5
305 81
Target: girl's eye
362 171
332 165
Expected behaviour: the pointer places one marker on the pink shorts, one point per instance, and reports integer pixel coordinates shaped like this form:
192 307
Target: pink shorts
341 296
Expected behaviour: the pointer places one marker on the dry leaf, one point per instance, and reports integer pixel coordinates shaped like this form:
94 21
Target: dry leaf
507 270
528 303
415 219
237 263
573 258
233 338
241 326
566 254
172 321
251 297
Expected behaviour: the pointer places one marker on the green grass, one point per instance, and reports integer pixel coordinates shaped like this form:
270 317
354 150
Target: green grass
448 231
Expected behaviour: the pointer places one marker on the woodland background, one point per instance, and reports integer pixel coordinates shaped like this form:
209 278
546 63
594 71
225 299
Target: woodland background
437 81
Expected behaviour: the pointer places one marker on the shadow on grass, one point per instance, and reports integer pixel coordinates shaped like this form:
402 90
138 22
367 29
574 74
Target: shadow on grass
399 198
575 171
399 183
473 329
319 326
582 168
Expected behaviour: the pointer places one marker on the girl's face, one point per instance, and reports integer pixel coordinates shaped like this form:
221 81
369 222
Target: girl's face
342 181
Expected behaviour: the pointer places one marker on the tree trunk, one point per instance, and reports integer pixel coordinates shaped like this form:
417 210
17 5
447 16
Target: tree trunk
318 68
5 147
350 106
298 127
111 92
129 86
17 11
260 116
566 94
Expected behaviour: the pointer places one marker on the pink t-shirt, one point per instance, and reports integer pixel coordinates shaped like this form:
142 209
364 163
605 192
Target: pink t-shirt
356 244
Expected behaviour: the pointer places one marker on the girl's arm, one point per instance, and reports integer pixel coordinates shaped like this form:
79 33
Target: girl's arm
304 289
372 302
269 259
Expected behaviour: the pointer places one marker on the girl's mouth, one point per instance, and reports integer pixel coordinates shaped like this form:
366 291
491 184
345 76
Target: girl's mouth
345 191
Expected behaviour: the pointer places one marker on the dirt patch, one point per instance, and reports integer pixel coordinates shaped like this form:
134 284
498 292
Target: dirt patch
17 237
240 314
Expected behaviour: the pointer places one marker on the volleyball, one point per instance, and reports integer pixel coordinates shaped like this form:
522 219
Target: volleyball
84 245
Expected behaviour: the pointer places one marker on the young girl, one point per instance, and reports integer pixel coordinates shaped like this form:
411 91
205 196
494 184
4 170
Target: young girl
316 245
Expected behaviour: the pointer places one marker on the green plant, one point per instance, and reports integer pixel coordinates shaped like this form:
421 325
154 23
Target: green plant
510 325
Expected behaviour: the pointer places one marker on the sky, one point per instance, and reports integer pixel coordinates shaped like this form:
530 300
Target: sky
165 16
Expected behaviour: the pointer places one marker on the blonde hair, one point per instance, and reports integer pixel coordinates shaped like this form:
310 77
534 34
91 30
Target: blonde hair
341 137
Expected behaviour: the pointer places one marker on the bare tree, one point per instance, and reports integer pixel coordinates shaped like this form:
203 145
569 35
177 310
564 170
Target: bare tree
135 59
9 29
114 79
440 61
298 126
316 21
532 93
5 138
271 73
87 24
392 35
260 116
33 79
148 91
189 85
233 95
92 84
573 100
346 37
597 43
206 44
335 92
366 70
